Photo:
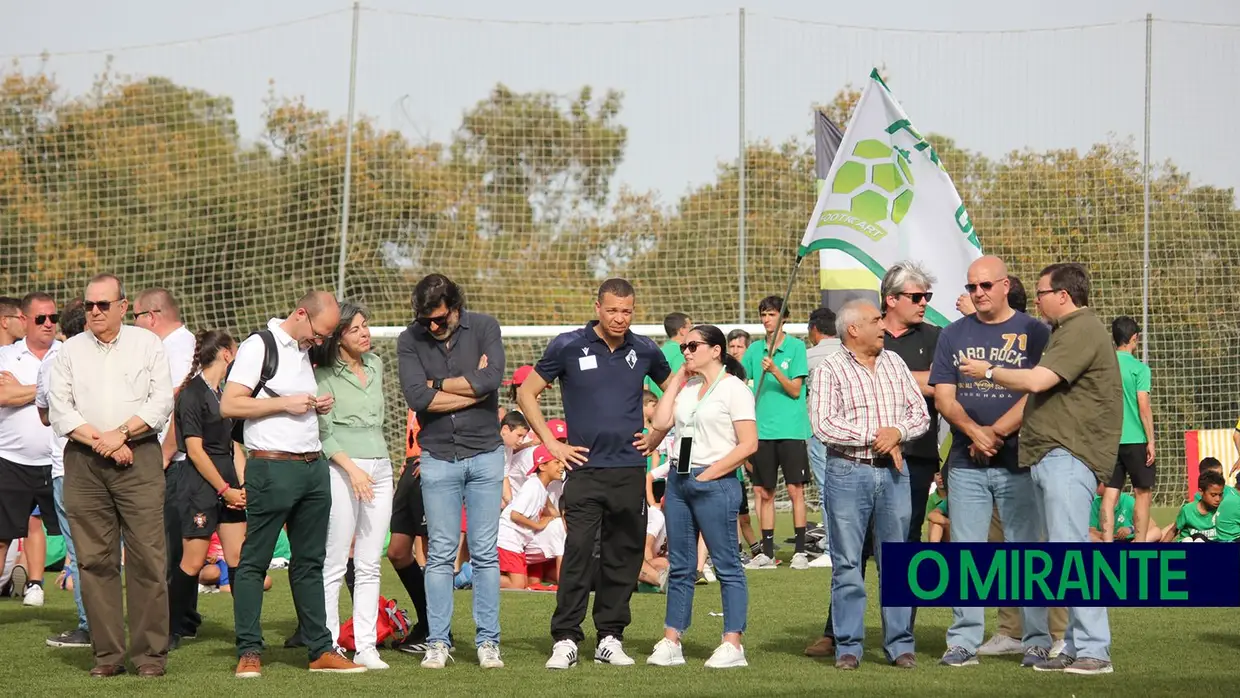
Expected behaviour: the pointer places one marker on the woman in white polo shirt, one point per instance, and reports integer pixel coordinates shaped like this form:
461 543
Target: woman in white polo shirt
713 412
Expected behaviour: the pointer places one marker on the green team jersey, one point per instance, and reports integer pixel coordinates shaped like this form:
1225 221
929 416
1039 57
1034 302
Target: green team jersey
1123 514
1228 519
675 357
936 501
1191 522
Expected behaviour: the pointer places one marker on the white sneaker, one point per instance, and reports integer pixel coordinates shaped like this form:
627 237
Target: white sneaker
370 659
999 645
610 651
33 596
436 656
1057 648
727 656
488 656
709 572
663 579
563 655
666 653
800 561
761 562
823 560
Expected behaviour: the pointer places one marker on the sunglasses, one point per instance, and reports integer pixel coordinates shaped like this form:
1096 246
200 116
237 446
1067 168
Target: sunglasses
985 286
438 320
144 312
917 297
691 346
40 319
103 306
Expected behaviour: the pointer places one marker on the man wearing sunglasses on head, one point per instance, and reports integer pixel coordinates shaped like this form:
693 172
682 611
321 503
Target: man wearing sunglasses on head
451 365
286 480
26 444
111 392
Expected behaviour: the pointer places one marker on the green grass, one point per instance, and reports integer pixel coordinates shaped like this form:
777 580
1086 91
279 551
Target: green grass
1156 652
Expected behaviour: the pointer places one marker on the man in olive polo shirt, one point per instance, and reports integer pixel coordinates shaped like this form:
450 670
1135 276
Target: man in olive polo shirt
677 326
1070 437
778 383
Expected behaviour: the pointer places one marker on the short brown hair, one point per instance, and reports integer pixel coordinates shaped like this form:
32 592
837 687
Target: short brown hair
1070 277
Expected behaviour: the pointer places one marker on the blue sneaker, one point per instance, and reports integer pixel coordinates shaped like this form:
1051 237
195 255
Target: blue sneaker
465 578
1035 656
958 656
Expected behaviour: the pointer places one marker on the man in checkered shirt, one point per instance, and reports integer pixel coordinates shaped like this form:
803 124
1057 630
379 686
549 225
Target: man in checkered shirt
865 405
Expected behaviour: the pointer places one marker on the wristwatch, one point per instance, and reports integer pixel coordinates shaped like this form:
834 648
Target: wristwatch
437 384
124 430
990 373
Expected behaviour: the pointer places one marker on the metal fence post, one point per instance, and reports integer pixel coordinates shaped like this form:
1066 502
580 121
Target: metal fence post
740 218
348 158
1145 176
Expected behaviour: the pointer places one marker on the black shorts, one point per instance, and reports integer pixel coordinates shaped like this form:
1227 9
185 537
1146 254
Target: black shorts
744 510
408 515
790 454
1131 461
198 507
22 488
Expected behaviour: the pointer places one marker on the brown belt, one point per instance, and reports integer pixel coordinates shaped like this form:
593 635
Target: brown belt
285 455
878 461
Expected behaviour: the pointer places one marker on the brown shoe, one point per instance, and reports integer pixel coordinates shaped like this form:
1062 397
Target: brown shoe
905 661
104 671
847 662
330 662
150 671
822 647
250 666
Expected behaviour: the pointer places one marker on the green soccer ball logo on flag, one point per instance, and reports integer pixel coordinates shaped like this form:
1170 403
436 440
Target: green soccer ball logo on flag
879 184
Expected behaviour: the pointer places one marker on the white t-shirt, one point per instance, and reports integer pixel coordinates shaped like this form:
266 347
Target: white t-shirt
41 388
529 502
712 430
518 467
283 431
656 527
23 438
179 347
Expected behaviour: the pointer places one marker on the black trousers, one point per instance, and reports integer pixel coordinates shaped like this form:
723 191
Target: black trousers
920 476
607 505
174 476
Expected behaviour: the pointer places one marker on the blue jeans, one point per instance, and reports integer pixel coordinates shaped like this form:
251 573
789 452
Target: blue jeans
478 483
818 468
710 508
856 492
973 495
1064 489
58 493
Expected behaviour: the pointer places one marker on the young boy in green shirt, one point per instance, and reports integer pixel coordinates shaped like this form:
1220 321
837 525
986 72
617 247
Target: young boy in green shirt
1197 520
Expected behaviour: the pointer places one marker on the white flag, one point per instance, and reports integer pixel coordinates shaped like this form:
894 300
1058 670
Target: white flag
888 198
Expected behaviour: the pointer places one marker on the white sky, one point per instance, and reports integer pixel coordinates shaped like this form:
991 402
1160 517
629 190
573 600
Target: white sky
994 91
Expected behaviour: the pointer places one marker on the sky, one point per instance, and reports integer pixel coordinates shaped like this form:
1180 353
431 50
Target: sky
983 72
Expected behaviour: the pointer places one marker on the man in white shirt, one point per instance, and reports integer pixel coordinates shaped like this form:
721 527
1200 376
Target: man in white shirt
286 480
110 395
25 443
156 310
12 322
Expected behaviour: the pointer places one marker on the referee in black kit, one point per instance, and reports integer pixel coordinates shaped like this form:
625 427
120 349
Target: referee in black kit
601 369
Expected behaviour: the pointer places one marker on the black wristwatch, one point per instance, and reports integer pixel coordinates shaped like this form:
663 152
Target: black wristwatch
437 384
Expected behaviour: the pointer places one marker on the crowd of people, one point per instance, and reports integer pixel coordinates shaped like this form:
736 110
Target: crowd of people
205 455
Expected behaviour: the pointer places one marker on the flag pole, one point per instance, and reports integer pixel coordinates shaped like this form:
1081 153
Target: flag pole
779 326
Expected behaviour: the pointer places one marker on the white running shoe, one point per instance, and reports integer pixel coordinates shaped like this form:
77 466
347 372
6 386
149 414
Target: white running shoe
823 560
800 561
563 655
370 659
727 656
488 656
33 595
610 651
436 656
1000 645
708 571
1057 648
666 653
761 562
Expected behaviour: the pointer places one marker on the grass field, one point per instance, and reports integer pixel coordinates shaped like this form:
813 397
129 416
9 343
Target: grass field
1156 652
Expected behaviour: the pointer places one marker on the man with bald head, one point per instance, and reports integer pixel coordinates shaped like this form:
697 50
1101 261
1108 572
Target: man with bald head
286 479
866 408
982 466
